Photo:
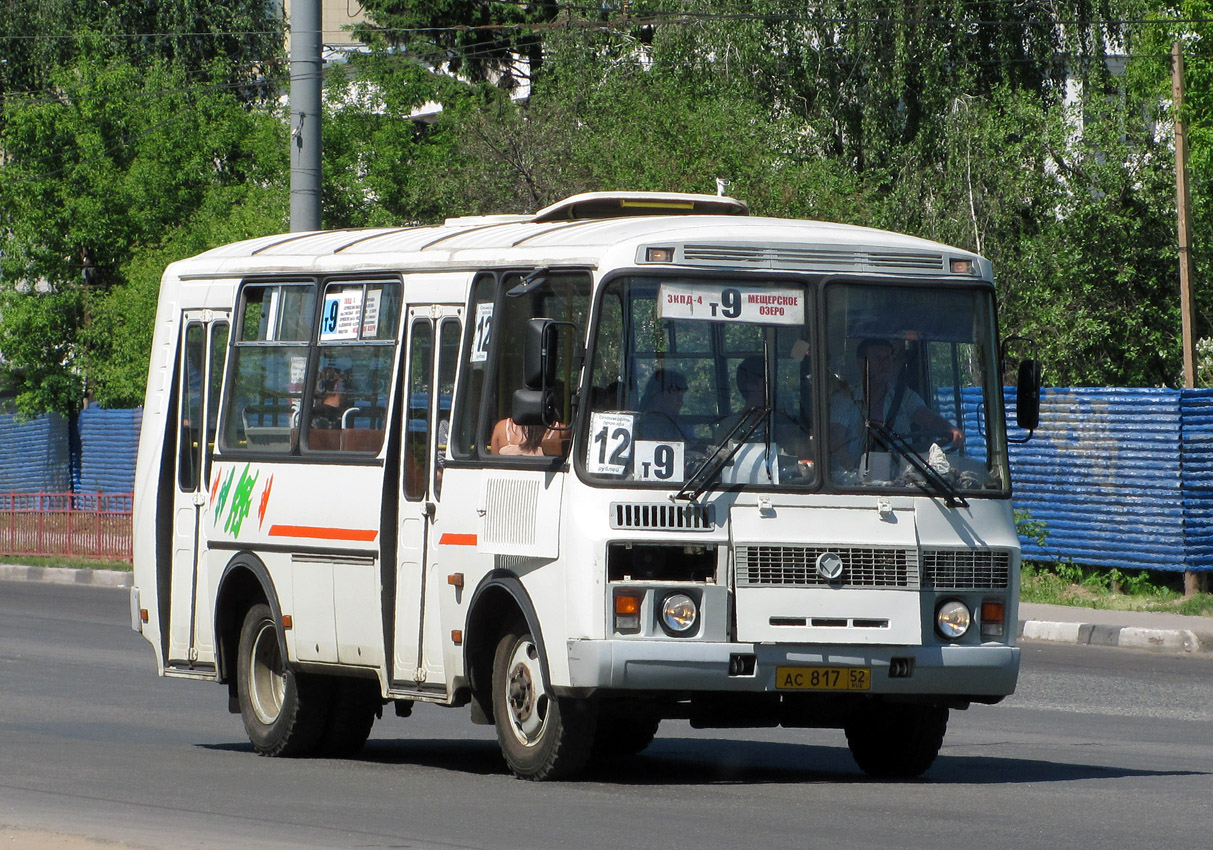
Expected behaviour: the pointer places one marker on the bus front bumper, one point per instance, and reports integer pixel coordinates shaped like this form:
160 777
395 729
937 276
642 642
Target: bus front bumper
981 672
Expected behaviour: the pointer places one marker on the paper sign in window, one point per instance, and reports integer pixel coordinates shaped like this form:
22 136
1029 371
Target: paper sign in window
708 302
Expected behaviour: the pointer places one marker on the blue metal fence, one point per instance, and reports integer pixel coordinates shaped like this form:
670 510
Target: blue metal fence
34 454
1121 478
93 453
109 441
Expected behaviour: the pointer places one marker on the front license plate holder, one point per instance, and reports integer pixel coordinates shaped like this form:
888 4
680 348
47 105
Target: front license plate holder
823 678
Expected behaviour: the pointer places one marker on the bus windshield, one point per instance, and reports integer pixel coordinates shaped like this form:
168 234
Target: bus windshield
914 397
703 378
729 383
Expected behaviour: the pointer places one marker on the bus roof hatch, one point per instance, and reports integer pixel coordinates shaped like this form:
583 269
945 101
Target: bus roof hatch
594 205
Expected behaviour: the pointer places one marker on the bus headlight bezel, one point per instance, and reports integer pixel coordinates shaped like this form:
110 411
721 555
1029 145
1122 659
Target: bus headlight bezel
953 619
679 614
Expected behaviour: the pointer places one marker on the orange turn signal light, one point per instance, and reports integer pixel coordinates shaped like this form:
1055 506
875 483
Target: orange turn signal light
993 617
626 605
627 612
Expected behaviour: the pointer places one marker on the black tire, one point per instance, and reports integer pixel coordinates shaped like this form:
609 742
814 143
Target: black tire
356 705
284 712
541 736
619 737
897 741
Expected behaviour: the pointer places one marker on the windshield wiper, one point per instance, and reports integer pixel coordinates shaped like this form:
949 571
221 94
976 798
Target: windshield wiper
896 443
703 477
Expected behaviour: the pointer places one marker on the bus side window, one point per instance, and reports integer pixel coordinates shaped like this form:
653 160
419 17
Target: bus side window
219 335
418 410
482 332
356 348
269 364
191 408
493 358
448 357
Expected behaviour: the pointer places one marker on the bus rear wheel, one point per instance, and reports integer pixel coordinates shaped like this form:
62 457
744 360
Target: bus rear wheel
284 711
897 741
542 736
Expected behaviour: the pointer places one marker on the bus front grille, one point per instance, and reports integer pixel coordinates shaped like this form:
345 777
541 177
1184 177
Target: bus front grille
661 517
796 566
964 569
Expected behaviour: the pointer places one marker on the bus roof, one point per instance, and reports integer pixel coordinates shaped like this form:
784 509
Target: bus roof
607 238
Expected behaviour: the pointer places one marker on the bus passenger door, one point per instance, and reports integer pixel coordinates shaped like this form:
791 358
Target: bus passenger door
432 353
199 376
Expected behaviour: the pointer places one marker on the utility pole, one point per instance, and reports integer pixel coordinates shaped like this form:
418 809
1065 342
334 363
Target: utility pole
1191 579
305 94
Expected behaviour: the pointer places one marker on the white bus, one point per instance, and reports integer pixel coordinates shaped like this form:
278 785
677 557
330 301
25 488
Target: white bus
636 457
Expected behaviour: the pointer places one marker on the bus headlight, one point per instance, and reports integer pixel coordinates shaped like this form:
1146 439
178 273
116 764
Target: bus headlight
952 619
679 613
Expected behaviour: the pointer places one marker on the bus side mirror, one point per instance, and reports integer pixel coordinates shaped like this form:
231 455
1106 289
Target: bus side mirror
539 355
1027 395
534 407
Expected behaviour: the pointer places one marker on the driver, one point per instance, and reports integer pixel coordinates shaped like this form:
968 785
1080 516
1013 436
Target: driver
790 434
661 406
897 407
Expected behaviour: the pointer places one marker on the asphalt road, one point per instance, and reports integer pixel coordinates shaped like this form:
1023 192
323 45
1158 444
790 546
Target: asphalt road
1100 747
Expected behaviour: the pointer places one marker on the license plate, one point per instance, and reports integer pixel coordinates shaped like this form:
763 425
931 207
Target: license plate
823 678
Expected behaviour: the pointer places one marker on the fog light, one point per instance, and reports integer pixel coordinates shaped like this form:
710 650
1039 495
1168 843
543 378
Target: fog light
952 619
679 613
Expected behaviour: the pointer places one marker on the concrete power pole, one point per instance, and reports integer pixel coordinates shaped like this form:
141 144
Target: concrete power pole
306 88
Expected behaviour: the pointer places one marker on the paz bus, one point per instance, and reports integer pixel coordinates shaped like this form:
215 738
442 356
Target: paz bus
636 457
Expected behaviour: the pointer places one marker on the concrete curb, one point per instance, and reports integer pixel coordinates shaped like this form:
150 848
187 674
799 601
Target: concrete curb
1130 637
64 575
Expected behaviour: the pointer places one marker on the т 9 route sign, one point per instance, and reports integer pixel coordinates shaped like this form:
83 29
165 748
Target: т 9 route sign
710 302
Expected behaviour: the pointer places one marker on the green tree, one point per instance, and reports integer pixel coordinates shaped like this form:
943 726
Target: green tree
92 179
39 38
475 39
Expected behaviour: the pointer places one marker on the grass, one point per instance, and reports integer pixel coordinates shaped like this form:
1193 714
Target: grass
1111 589
64 561
1067 583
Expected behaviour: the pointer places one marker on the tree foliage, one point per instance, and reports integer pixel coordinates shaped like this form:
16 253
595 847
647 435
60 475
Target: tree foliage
114 152
1035 133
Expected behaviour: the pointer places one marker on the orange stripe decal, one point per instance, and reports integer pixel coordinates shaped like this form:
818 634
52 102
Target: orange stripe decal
315 533
457 540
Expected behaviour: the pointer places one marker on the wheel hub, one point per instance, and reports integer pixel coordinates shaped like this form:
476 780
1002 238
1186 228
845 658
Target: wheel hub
524 697
522 693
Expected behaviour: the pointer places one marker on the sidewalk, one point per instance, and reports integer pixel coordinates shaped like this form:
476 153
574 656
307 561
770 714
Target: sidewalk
1131 629
62 575
1061 623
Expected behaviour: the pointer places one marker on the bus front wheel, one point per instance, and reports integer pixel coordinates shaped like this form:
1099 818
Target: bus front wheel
542 736
284 712
897 741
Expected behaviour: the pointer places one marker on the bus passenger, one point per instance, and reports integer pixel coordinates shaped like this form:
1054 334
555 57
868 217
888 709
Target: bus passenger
791 432
510 438
661 406
332 391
